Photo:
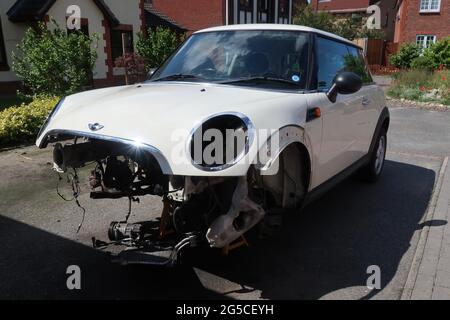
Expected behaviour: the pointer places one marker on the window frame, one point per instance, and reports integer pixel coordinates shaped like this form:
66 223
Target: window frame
246 10
3 64
265 7
84 27
363 61
313 80
121 30
429 9
425 40
285 17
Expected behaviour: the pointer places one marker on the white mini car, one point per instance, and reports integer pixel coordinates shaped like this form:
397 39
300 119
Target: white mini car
240 125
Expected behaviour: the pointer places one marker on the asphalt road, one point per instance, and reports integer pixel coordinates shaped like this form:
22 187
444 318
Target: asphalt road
322 253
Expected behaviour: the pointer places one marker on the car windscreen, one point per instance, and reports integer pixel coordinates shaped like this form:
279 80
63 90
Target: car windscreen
252 58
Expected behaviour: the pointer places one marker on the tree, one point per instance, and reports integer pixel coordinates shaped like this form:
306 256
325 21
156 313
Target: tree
55 62
156 46
351 27
318 20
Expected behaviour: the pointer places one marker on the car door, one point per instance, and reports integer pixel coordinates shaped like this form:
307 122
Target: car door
343 121
370 104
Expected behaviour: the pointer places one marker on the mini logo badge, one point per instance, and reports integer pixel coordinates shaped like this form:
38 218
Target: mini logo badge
95 126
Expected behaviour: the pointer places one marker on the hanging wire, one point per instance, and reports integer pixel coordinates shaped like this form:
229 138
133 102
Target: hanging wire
129 209
74 181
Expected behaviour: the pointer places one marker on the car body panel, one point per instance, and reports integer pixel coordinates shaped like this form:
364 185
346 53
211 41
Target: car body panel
162 115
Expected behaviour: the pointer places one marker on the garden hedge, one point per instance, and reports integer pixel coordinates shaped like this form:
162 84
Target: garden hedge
21 124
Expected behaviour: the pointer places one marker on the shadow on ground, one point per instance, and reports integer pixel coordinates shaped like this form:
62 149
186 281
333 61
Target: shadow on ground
330 245
326 248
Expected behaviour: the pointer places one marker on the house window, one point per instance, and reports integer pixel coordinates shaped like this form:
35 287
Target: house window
245 10
265 11
430 5
283 11
117 42
84 28
3 61
425 41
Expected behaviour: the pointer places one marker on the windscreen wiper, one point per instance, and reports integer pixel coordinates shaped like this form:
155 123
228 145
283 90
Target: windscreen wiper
178 76
261 78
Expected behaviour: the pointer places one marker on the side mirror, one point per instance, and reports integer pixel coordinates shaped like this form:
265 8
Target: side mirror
344 83
151 72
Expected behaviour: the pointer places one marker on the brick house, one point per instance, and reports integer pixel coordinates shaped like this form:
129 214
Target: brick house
345 8
198 14
107 18
422 21
110 19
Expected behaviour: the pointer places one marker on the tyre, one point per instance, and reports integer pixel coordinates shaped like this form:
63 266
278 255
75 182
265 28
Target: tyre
372 171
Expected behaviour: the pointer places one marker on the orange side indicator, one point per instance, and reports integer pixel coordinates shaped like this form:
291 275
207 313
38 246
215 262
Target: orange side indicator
317 112
313 113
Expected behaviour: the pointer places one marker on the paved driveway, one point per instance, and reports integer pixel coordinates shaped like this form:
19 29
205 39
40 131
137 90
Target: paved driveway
322 253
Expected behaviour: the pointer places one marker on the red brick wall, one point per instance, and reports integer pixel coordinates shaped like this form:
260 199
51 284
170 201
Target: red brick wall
193 14
343 4
415 23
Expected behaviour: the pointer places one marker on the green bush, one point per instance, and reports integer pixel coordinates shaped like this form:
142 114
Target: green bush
423 62
432 58
412 78
395 92
439 54
411 94
422 85
156 46
404 57
20 124
54 62
441 80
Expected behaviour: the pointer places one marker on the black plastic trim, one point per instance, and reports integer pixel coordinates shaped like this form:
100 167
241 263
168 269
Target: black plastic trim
332 182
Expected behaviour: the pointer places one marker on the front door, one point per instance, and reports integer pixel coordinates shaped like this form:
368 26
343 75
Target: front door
343 121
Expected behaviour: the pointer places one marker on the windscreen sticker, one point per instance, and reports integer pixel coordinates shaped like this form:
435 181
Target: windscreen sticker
295 78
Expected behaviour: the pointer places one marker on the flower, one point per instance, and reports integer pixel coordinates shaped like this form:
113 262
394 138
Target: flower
422 88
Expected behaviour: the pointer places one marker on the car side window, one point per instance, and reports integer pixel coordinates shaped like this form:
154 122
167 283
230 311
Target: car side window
355 62
331 59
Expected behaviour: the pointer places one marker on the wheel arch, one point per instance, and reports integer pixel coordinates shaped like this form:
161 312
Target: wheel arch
383 123
291 137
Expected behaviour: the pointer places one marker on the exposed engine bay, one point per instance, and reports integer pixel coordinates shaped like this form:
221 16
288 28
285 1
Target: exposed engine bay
197 211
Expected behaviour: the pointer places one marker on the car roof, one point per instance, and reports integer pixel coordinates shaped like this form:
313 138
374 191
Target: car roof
279 27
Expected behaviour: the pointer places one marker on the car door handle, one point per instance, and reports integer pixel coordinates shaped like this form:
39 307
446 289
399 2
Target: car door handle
365 101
